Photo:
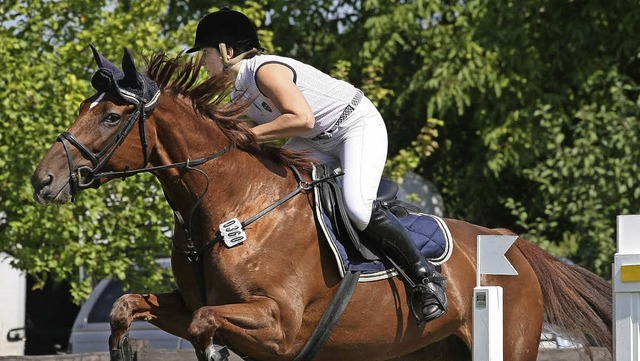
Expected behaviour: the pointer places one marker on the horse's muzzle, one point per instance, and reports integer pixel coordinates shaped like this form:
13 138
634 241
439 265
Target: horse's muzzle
46 189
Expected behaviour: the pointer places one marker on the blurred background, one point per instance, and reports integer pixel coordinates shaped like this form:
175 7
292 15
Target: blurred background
516 114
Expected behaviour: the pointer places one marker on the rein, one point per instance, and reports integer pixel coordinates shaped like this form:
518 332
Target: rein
85 177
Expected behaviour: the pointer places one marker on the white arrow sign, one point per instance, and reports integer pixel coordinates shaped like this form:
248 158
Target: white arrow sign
491 258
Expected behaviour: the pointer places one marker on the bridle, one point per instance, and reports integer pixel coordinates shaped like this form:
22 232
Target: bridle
84 177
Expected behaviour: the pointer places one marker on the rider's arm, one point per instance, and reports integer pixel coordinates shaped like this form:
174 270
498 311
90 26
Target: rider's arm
275 81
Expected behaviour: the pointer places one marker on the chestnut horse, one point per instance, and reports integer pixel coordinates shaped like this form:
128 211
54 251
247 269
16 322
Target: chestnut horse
264 297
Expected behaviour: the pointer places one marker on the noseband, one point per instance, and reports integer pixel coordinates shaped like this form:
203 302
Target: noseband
85 177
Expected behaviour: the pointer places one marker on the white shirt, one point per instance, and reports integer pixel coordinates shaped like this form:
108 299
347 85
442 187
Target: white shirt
326 96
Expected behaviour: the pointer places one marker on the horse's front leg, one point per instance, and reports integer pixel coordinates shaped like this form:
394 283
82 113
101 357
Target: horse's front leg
261 327
166 310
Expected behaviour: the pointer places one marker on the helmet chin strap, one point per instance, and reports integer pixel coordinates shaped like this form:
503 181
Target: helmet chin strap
227 63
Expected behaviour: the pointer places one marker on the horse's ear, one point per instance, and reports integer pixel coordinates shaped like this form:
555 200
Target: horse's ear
101 61
129 68
97 57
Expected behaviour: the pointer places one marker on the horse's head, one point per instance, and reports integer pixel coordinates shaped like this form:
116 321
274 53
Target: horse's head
104 139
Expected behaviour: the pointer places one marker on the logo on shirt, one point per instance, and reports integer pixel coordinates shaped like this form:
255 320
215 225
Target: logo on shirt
266 107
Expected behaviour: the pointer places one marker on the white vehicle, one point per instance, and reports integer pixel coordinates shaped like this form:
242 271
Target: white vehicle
12 308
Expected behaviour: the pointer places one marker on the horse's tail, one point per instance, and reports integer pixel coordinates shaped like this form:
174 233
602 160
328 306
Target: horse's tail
574 298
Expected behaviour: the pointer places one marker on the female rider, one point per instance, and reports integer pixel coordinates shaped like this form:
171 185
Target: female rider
324 115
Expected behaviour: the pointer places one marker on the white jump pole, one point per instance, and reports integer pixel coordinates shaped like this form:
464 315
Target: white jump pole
626 287
488 300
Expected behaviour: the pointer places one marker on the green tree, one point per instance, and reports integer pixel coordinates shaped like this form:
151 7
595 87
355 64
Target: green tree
537 112
48 66
118 230
524 114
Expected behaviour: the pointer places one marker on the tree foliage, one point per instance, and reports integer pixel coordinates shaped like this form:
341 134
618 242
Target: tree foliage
118 230
524 114
48 68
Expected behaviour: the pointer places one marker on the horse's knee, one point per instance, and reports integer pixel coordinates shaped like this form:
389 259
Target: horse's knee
203 327
257 326
122 312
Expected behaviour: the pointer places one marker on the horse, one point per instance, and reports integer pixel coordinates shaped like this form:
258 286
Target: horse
264 297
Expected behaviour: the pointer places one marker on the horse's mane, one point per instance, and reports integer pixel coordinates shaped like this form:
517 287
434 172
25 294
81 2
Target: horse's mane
179 76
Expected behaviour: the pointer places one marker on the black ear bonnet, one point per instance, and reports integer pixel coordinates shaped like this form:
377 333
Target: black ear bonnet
128 84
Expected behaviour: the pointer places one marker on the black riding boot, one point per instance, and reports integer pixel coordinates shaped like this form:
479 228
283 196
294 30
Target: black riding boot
395 241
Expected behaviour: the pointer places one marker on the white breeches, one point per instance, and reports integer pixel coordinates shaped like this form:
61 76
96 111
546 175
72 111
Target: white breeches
359 147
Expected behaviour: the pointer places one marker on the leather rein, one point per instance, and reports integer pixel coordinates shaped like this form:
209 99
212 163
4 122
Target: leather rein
84 177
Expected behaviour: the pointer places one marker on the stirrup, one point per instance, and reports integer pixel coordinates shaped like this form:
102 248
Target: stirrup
421 290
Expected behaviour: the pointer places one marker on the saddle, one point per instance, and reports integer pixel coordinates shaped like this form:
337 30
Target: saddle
332 201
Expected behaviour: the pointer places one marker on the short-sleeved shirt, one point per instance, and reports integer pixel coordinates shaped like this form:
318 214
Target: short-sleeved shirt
326 95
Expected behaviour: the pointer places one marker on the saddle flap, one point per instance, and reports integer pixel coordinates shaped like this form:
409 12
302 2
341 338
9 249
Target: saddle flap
332 202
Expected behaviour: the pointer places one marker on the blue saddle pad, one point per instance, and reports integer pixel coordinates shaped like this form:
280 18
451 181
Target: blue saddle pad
429 233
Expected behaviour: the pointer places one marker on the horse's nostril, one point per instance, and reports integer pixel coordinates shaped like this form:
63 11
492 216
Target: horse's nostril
41 181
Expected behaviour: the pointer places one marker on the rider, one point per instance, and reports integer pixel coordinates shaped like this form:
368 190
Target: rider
324 115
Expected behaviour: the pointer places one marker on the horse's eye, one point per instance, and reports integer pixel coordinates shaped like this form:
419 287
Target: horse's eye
111 119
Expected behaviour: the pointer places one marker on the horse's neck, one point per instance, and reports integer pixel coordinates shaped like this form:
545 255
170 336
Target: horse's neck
183 135
236 184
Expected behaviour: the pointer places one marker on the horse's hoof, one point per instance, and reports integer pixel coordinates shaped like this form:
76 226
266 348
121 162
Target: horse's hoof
123 352
213 354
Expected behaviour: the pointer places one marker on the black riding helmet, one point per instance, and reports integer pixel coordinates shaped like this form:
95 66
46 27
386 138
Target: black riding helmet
226 26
